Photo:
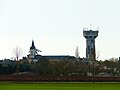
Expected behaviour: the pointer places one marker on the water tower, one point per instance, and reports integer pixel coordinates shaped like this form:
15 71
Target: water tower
90 36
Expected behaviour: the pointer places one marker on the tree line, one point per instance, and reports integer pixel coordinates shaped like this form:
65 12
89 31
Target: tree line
70 67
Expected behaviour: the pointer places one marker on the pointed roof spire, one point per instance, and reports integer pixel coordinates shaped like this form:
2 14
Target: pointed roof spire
32 46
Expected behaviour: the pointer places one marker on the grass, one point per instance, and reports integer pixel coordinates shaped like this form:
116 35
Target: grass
59 86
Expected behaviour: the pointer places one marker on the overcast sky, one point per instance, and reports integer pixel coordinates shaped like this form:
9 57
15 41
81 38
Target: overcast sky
56 26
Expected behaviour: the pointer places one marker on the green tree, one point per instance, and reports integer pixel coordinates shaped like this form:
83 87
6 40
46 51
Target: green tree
41 67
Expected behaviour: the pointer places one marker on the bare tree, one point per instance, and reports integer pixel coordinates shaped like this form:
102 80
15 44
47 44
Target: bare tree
98 55
77 52
17 52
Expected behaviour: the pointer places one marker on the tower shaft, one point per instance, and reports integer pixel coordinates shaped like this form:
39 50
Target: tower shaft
90 44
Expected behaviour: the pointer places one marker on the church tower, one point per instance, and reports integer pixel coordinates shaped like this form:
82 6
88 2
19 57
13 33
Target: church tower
33 50
33 53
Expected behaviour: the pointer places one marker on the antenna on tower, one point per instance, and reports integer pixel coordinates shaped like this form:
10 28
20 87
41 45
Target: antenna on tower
90 26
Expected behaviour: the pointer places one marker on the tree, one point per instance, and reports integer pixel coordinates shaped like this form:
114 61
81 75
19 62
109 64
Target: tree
7 68
98 55
41 67
113 66
17 52
77 52
25 67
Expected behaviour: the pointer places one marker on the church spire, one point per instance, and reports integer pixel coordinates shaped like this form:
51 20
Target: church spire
32 46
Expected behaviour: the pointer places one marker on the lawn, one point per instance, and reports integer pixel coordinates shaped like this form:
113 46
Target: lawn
59 86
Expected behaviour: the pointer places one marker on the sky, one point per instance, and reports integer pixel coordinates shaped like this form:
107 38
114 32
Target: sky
56 26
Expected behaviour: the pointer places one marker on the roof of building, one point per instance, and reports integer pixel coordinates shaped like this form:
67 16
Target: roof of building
59 57
55 57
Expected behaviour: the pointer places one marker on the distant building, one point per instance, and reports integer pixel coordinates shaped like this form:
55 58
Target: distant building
59 57
33 55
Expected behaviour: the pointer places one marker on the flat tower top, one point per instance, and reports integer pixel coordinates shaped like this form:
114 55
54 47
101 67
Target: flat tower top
90 33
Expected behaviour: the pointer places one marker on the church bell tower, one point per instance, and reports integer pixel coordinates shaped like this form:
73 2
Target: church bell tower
33 50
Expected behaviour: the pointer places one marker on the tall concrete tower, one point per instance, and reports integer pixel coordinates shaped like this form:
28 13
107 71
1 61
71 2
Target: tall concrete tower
90 36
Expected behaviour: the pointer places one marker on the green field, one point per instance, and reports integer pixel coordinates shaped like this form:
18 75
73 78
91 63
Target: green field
59 86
